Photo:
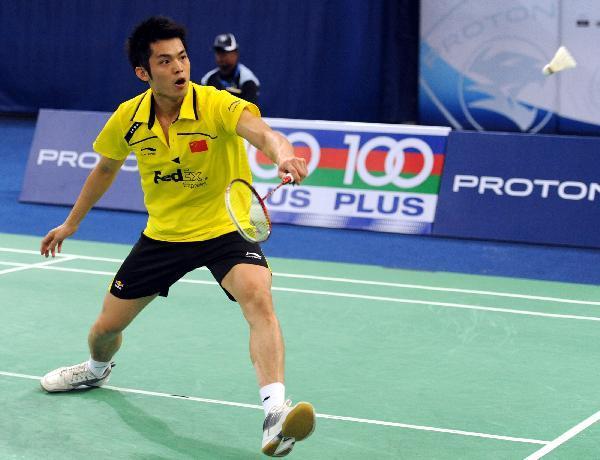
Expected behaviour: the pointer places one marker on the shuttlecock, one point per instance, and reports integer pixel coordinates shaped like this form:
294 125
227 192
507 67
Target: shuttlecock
562 60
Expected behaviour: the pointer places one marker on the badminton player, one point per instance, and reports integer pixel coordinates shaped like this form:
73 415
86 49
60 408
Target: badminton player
188 142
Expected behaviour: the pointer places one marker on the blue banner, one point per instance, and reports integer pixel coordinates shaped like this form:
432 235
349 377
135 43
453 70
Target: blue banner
61 158
520 187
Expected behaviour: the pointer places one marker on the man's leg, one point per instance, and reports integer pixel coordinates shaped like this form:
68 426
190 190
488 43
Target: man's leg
105 335
251 287
104 340
283 424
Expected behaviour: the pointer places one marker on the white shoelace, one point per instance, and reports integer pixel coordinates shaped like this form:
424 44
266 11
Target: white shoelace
79 373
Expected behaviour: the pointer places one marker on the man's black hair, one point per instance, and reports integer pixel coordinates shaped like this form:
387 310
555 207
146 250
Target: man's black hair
150 31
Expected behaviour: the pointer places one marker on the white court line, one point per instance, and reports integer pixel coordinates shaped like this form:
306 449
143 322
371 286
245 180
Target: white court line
441 304
67 269
366 282
565 437
36 265
59 255
365 297
444 289
325 416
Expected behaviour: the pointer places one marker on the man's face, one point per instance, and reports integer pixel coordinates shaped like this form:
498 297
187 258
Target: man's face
226 60
170 68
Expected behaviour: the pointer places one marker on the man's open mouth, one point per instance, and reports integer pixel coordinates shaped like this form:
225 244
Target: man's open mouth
180 82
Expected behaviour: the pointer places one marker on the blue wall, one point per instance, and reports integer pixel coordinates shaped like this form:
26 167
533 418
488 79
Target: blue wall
335 60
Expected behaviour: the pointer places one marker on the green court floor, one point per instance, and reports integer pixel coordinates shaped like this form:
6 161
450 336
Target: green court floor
399 364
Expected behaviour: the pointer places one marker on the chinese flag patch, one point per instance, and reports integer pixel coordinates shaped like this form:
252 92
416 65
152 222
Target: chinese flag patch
198 146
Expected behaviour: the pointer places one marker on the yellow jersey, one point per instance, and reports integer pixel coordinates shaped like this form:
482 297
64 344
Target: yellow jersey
183 180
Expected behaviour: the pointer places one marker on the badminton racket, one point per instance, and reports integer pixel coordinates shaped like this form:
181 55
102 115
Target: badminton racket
248 211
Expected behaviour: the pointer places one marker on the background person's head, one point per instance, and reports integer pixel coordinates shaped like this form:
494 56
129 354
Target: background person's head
226 52
157 53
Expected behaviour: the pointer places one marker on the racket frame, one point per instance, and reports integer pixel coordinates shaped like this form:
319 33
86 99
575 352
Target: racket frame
240 230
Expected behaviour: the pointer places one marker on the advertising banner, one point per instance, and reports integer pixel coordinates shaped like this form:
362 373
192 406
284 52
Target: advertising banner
361 175
481 64
579 95
519 187
61 157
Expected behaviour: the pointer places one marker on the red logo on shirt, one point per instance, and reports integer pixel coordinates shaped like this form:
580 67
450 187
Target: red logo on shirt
198 146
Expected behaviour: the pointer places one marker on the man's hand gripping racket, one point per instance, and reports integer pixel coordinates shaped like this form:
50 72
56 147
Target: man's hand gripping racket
248 211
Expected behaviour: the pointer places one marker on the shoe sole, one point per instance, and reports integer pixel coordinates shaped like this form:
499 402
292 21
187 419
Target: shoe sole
270 448
64 390
299 424
80 387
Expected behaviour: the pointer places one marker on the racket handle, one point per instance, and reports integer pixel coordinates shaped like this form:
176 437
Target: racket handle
288 179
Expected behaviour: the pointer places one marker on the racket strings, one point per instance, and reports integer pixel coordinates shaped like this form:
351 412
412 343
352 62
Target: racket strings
247 212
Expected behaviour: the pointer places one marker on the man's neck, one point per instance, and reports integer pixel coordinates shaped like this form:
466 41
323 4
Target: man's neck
229 75
167 108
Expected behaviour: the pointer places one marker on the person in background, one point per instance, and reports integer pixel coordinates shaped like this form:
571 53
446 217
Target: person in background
230 74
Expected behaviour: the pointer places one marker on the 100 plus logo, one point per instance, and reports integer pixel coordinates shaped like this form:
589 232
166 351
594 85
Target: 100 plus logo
357 159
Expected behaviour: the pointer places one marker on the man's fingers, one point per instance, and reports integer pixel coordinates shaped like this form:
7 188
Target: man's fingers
291 171
296 167
45 244
53 241
303 170
50 248
301 167
56 246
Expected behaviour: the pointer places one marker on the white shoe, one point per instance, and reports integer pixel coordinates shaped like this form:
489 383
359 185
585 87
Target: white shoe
73 377
284 425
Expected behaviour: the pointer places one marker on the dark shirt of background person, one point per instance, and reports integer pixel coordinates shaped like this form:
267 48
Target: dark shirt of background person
230 74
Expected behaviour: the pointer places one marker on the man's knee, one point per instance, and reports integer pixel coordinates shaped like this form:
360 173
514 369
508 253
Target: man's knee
117 314
249 284
257 293
105 327
257 304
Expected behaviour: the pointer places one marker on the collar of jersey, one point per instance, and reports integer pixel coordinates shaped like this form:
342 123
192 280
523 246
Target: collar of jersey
145 111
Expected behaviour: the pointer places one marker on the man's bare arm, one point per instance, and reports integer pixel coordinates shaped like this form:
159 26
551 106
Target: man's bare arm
272 144
97 183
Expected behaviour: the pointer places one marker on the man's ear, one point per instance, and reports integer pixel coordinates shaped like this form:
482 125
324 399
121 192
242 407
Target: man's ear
142 74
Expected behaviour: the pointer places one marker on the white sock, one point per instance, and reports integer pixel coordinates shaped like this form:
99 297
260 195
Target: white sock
271 395
97 367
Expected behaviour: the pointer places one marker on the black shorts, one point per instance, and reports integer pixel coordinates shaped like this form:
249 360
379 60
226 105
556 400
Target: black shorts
153 266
